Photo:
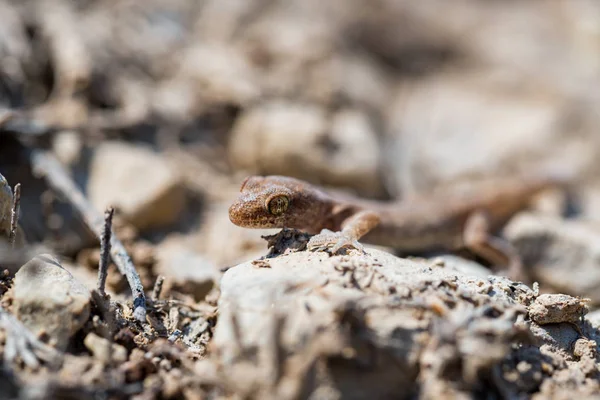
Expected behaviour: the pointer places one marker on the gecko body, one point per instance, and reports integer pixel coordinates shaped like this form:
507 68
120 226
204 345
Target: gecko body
439 221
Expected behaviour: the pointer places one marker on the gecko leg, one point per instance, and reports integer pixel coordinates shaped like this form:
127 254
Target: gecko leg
353 229
494 249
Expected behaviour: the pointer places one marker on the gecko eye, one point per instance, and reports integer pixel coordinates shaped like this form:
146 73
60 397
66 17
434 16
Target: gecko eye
278 204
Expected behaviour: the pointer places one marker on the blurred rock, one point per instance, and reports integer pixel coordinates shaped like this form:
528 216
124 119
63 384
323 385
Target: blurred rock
207 74
103 350
284 42
353 153
49 301
594 318
185 270
456 126
352 79
266 137
461 265
224 243
589 200
531 46
300 140
67 145
140 183
414 38
15 50
561 254
419 38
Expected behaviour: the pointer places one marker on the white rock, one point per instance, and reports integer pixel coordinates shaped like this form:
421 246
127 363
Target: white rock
454 127
280 308
140 183
301 140
47 299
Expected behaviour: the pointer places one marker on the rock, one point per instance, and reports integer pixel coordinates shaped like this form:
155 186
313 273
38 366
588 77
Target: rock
355 79
560 254
285 59
352 137
67 145
185 270
208 73
385 326
47 299
435 123
221 73
141 184
589 199
105 351
594 318
557 308
376 326
265 138
224 243
461 265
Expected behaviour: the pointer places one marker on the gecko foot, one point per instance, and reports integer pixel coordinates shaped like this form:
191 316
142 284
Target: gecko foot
333 242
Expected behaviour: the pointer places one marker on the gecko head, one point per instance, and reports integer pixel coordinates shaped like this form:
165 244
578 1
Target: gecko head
271 202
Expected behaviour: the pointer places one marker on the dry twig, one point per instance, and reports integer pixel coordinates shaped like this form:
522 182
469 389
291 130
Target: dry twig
14 217
105 250
158 288
21 342
47 165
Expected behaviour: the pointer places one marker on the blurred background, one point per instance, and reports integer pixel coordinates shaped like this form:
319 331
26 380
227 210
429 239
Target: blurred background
162 107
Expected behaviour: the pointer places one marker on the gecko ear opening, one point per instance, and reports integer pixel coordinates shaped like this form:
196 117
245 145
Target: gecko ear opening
244 183
251 182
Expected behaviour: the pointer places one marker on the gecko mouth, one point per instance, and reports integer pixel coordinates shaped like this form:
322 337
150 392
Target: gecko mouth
240 215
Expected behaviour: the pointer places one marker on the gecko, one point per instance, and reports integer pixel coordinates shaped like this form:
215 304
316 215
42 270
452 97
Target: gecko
442 221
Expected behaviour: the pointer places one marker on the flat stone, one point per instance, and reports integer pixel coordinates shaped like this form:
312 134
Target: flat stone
141 184
47 299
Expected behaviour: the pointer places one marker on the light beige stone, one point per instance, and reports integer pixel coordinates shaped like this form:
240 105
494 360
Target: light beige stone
47 299
142 185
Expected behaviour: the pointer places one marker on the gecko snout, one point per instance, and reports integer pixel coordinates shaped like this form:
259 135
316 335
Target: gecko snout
236 214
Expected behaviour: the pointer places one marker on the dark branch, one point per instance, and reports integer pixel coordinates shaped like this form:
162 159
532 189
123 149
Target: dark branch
105 249
45 164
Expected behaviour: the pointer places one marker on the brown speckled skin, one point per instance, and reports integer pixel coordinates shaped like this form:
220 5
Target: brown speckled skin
310 209
413 225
